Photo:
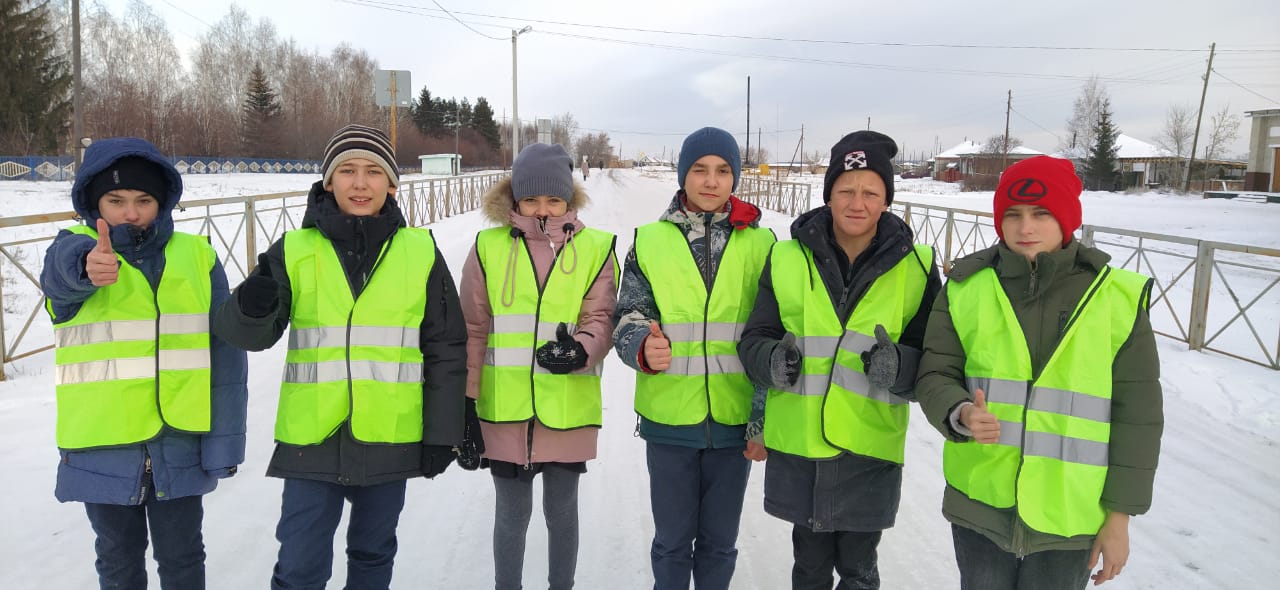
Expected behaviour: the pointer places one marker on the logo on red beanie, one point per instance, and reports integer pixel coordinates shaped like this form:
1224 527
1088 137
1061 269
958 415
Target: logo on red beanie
1027 190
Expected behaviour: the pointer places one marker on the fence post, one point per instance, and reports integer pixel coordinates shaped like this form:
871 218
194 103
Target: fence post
251 232
4 347
1086 235
951 224
1200 296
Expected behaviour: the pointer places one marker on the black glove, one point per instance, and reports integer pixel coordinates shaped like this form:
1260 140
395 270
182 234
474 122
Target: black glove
435 459
259 295
564 355
784 361
880 362
472 440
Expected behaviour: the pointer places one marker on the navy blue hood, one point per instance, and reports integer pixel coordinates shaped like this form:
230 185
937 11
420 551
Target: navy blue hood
102 153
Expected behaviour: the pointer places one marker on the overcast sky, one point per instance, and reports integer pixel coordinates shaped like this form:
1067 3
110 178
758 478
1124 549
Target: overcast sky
648 72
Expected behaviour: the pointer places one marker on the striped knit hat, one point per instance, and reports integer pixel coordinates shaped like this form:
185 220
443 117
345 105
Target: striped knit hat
359 141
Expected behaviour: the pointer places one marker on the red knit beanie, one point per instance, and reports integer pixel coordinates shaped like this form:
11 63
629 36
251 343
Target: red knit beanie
1043 181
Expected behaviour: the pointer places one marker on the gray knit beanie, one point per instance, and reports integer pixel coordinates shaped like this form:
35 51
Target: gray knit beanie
542 169
359 141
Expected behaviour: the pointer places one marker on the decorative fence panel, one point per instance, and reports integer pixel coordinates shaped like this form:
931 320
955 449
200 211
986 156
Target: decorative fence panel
791 198
1212 295
64 167
238 228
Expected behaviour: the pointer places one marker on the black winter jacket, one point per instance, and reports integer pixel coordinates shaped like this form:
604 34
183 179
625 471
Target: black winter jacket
849 492
358 241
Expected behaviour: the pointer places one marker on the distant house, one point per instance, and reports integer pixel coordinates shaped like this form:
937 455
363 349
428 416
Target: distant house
1146 165
1262 172
441 164
967 162
650 160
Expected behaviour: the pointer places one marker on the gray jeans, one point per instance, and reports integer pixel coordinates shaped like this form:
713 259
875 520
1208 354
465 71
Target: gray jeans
514 499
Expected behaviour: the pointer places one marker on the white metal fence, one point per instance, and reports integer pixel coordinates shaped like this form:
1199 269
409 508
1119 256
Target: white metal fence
1214 296
238 228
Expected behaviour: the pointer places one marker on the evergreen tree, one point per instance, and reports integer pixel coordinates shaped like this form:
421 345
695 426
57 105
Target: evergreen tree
483 122
260 117
35 80
426 114
448 110
1102 164
464 112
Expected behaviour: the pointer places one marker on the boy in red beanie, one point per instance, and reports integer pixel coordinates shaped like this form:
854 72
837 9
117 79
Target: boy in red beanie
1040 368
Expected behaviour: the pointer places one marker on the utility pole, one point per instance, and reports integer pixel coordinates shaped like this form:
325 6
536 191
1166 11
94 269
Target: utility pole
77 119
748 162
515 108
759 143
1186 182
456 123
868 123
1004 162
393 115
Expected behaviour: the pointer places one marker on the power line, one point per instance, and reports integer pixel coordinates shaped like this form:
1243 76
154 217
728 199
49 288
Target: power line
1029 120
1266 49
1246 89
469 27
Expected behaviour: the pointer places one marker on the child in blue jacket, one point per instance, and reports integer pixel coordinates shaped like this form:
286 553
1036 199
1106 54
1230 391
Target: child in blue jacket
151 405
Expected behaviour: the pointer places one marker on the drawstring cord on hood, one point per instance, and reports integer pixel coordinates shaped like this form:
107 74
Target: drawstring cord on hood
508 278
570 243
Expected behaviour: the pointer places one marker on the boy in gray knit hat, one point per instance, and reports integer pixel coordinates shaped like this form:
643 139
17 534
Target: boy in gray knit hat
687 286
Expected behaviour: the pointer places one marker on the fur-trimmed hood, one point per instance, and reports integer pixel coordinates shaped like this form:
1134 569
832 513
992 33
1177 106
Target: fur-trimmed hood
498 203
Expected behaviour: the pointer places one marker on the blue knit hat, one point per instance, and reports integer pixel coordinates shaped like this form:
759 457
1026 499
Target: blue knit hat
706 142
542 169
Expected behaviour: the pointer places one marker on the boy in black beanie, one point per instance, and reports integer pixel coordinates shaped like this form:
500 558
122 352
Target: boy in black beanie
835 419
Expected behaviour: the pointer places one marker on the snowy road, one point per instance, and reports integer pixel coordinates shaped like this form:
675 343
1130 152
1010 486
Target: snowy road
1215 522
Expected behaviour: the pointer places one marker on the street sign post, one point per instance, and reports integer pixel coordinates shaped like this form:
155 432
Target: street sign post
392 88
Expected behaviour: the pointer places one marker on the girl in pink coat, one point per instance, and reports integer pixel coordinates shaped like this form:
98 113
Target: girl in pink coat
538 407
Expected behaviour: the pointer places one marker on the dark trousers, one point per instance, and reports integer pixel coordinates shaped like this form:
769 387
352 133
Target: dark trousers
696 496
309 515
514 507
121 543
985 566
850 554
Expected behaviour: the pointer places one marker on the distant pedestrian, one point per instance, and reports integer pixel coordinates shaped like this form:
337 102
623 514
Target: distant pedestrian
586 167
1040 369
151 406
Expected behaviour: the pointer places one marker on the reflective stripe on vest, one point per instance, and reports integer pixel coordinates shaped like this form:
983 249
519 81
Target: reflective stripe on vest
133 360
832 407
354 359
706 376
1052 457
513 387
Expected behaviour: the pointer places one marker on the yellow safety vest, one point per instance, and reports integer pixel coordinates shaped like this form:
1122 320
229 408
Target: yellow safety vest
513 387
354 359
1052 457
832 408
134 360
706 376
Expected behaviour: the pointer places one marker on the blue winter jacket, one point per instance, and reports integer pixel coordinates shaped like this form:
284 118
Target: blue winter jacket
181 464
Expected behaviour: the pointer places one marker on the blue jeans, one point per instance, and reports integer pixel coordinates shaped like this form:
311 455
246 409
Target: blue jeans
309 515
985 566
696 497
850 554
121 543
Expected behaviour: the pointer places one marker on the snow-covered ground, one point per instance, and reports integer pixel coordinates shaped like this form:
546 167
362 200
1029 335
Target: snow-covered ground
1215 522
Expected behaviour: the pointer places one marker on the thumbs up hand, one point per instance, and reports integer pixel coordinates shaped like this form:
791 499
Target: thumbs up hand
100 264
976 417
657 349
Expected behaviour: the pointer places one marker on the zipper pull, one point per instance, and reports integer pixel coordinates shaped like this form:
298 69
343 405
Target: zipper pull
146 464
